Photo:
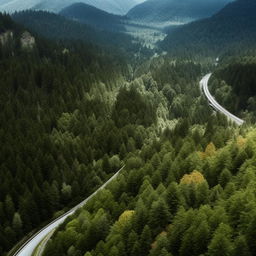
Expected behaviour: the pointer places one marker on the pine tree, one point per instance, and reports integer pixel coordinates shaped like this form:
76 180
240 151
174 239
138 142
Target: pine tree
9 207
132 239
17 224
135 249
159 215
173 197
106 165
145 240
123 151
225 177
251 233
88 254
241 247
164 252
201 238
186 247
221 243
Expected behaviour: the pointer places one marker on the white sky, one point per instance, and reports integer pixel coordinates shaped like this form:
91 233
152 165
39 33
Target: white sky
114 6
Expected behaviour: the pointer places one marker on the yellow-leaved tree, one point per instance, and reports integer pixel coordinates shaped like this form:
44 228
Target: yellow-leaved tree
124 219
241 141
195 177
210 150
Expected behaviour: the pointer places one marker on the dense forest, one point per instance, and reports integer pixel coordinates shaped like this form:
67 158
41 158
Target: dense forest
56 102
232 29
69 119
76 108
57 27
178 195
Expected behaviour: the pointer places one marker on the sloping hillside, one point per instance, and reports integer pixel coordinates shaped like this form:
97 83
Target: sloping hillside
174 10
112 6
93 16
54 26
234 27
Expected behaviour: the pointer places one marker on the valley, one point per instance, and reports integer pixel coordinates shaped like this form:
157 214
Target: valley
147 36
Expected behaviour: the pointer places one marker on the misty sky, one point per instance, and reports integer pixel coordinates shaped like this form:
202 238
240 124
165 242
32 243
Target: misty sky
113 6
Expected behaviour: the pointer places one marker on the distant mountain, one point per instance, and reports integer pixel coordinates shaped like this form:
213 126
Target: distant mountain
93 16
175 10
112 6
54 26
234 27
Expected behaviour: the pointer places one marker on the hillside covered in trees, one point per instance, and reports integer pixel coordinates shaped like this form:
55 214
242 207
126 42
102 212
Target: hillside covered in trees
74 111
233 84
185 199
56 101
230 30
57 27
189 192
69 119
93 16
175 10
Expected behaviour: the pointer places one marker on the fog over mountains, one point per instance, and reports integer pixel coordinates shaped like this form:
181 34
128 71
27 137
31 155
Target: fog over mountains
112 6
233 27
175 10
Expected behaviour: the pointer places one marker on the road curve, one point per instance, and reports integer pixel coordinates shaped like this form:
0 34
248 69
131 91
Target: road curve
40 249
29 246
214 103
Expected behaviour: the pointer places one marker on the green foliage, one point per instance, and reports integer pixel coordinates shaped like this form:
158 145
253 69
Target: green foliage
230 31
221 243
58 143
163 217
71 120
132 108
58 27
159 215
233 84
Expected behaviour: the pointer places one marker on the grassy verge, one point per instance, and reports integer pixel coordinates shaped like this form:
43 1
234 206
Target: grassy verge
40 247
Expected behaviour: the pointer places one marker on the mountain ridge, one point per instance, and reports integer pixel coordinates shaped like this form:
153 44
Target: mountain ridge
156 10
112 6
93 16
231 28
61 28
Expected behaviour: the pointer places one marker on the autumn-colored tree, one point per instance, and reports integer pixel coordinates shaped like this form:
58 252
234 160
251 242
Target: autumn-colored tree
194 178
210 150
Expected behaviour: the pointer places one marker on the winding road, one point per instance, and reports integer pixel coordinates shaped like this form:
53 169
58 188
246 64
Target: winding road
45 233
214 103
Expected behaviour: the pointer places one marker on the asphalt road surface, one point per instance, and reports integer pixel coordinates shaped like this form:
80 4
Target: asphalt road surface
29 246
214 103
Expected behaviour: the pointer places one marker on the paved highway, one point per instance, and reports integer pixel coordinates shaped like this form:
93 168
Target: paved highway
214 103
40 249
28 248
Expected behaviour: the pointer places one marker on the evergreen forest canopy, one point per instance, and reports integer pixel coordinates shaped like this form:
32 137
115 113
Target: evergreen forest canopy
233 85
93 16
173 10
74 112
42 163
56 27
232 29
